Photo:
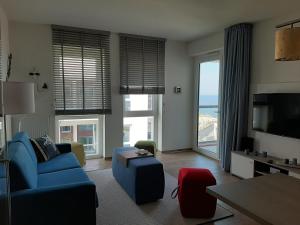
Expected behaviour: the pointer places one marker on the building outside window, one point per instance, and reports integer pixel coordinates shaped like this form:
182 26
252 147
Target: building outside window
66 129
81 129
126 135
140 119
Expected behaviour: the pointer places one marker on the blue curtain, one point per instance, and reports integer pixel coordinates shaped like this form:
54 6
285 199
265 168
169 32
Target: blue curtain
235 90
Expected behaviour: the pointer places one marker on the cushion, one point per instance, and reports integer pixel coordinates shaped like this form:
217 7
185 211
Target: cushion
23 170
39 152
78 150
24 138
62 177
147 145
61 162
193 199
46 145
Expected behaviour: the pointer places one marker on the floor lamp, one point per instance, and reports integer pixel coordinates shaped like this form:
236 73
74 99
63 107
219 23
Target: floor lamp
16 98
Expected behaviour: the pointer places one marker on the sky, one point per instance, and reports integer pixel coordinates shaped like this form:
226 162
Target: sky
209 78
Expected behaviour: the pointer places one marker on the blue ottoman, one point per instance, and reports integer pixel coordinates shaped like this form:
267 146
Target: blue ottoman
143 179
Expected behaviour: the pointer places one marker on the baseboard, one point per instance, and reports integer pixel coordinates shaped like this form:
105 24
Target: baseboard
176 150
206 155
107 158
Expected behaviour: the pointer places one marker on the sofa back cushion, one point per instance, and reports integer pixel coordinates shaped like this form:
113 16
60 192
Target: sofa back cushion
23 169
24 138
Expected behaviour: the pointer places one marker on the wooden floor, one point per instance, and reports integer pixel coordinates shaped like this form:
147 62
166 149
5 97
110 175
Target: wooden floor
173 161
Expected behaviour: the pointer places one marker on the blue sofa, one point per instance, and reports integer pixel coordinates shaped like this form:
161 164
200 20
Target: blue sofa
3 194
56 192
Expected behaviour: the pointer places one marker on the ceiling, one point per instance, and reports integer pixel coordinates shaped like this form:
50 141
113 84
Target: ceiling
183 20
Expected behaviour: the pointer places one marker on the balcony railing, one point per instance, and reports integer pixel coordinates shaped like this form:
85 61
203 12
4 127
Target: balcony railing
208 106
208 124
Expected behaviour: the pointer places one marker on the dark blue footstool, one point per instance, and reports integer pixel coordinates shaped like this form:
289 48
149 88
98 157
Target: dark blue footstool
143 178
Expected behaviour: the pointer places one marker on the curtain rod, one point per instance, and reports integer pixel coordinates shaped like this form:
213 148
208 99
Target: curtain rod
292 22
78 29
141 36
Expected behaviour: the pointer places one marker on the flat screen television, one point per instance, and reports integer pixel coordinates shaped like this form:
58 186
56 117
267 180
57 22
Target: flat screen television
277 113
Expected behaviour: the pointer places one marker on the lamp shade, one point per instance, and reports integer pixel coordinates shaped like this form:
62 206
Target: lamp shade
287 44
18 98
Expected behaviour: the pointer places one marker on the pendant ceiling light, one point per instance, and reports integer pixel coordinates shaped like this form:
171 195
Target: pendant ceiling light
287 41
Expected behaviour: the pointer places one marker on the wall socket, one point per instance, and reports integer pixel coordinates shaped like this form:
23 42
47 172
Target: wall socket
177 89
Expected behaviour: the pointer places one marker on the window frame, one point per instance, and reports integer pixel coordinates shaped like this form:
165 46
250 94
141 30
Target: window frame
154 112
216 55
99 127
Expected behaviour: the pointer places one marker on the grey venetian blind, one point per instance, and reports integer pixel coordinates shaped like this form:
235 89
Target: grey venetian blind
81 71
142 65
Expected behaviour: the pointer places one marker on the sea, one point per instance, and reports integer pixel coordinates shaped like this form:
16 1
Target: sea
208 100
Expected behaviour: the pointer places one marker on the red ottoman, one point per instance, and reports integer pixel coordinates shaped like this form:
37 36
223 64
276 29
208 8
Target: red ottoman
193 199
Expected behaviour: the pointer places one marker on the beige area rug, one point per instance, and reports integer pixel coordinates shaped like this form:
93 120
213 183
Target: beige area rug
117 208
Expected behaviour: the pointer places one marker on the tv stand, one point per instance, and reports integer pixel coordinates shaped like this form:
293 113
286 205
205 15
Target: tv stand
249 166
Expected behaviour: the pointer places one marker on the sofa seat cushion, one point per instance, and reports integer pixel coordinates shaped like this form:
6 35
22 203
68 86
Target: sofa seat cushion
63 177
60 162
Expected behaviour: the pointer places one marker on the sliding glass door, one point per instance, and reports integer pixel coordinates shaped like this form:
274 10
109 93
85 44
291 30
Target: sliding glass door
208 74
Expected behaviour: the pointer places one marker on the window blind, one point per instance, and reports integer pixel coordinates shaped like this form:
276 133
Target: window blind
81 61
1 59
142 65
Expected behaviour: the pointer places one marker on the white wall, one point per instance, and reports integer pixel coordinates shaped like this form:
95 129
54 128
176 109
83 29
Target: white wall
206 45
4 41
5 51
31 47
271 76
114 122
177 115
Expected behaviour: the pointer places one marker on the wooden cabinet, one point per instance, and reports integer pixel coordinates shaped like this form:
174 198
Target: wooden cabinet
249 166
242 166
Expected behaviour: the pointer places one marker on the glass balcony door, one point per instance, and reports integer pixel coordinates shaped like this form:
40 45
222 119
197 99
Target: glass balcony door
208 73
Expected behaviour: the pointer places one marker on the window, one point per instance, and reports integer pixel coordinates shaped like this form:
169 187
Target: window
150 129
142 78
81 63
127 103
81 129
142 65
2 138
81 71
65 129
126 134
140 119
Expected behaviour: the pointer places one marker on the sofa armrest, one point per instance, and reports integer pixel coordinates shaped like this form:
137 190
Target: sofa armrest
64 147
66 204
